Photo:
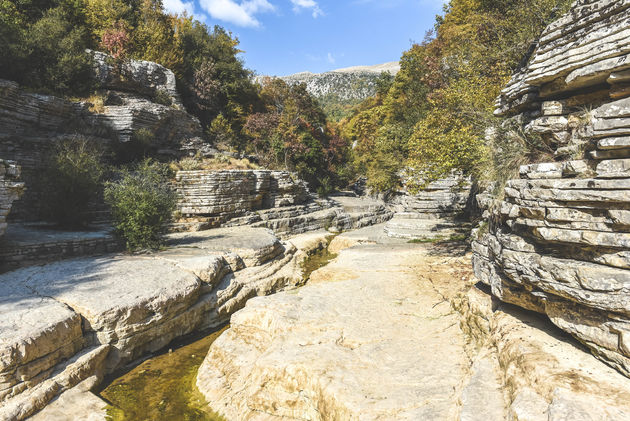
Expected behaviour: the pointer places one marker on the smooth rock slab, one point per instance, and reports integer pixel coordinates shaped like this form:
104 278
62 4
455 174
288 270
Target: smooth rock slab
36 332
365 339
254 245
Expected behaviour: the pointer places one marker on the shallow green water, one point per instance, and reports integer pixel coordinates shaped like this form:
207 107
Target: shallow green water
317 260
163 387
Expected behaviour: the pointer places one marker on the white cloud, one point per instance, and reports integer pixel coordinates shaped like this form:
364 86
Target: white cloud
179 7
331 58
241 13
316 11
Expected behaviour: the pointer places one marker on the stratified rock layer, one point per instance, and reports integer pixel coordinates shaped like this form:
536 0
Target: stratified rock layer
10 190
141 106
269 199
559 241
437 211
65 322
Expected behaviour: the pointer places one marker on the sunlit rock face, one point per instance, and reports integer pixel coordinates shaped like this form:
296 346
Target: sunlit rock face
66 322
277 200
559 240
10 190
438 211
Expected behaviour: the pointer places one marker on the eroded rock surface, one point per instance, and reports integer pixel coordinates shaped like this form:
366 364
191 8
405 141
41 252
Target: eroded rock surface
140 105
557 243
305 355
437 211
269 199
399 331
72 320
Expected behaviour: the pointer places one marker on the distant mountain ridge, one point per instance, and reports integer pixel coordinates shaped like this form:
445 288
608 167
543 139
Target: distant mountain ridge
350 83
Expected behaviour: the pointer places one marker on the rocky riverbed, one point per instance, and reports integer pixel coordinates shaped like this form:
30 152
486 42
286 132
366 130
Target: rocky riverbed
67 324
392 330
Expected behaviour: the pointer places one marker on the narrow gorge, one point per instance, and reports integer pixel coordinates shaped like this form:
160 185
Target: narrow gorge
251 261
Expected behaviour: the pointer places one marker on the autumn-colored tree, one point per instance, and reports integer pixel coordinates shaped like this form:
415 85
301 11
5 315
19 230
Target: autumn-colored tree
115 40
103 15
155 38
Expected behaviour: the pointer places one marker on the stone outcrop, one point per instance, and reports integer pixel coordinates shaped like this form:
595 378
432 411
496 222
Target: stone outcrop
27 245
269 199
138 76
228 194
398 331
30 124
141 110
437 211
558 242
65 322
143 101
10 190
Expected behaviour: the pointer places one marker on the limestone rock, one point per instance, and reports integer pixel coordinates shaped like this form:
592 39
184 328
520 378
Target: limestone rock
31 124
269 199
437 211
135 76
416 341
68 321
307 357
558 242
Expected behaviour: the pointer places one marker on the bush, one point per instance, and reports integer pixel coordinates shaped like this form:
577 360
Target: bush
162 97
142 203
73 179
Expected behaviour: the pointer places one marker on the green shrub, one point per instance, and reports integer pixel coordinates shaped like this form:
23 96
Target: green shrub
142 203
162 97
72 180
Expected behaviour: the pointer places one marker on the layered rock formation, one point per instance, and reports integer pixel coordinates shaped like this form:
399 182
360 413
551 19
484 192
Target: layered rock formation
10 190
69 321
558 242
398 331
228 194
139 76
270 199
141 109
438 211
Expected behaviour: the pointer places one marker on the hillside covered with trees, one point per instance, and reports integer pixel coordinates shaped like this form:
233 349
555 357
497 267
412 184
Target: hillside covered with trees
430 118
44 45
433 116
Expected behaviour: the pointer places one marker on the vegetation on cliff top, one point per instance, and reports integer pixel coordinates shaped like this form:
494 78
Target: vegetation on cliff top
433 116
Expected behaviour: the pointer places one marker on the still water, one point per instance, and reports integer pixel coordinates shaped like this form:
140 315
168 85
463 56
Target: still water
162 387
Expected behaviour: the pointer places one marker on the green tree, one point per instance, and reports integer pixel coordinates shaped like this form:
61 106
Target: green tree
72 181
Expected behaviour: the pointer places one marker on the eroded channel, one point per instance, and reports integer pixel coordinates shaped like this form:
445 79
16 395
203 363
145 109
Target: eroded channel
163 387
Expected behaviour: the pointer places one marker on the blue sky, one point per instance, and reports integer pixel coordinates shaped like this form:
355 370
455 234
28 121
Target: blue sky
282 37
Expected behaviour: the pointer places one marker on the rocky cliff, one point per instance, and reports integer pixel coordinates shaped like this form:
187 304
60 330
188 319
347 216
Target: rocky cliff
269 199
139 104
10 190
559 241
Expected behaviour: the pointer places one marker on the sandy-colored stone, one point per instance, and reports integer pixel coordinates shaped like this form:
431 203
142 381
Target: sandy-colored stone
414 314
393 351
66 321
